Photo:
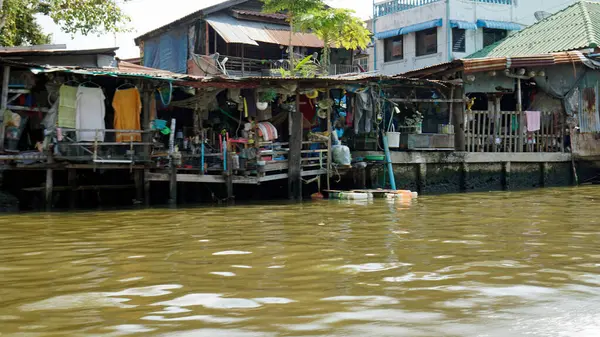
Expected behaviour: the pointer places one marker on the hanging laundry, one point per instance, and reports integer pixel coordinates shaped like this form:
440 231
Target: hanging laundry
67 107
128 106
533 120
364 111
90 114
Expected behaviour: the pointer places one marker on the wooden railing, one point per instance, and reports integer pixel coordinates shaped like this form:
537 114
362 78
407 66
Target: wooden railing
105 152
243 67
506 132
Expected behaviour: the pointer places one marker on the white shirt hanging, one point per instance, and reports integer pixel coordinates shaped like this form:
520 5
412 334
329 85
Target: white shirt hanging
90 114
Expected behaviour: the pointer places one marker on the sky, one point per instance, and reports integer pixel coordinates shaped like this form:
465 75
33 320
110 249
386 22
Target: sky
148 15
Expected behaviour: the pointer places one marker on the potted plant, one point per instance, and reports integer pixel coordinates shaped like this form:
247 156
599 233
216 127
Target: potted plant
415 122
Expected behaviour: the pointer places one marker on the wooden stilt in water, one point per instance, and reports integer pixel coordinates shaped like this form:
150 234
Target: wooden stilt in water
138 178
49 183
146 188
329 156
4 102
172 165
229 179
173 185
72 181
295 153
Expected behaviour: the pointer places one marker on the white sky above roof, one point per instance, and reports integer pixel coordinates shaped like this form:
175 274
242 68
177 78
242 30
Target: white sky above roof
148 15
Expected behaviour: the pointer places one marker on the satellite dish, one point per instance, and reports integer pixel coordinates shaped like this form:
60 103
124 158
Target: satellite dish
541 15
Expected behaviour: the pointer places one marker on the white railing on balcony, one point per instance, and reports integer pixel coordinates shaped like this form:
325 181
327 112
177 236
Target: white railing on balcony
394 6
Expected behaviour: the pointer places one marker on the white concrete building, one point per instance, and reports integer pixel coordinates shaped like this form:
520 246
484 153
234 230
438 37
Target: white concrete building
412 34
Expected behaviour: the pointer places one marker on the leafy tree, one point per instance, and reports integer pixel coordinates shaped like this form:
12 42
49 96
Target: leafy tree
294 10
18 24
337 27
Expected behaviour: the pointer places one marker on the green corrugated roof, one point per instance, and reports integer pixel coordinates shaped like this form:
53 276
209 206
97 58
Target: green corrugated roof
575 27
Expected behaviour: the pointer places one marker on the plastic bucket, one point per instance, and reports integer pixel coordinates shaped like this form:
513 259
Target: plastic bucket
393 139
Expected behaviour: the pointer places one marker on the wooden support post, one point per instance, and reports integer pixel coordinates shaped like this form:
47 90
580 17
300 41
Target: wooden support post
49 183
138 178
329 154
207 39
146 188
215 41
520 129
172 166
421 177
72 181
243 62
506 176
146 137
458 120
229 177
295 154
3 103
173 185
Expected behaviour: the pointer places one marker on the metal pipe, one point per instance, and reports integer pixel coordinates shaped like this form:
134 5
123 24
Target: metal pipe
388 159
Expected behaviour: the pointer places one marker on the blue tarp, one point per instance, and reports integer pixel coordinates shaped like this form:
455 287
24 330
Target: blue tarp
463 25
168 51
498 25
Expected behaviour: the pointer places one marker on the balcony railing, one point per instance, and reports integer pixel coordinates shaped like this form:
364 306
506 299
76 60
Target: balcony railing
244 67
395 6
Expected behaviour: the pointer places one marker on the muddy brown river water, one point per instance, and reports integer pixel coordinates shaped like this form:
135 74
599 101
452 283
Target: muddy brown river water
491 264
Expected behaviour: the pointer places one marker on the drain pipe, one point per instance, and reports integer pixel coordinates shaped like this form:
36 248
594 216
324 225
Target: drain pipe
388 159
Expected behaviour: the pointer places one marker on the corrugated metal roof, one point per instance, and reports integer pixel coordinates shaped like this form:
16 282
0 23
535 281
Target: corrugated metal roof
44 52
126 69
233 33
500 63
574 28
233 30
190 18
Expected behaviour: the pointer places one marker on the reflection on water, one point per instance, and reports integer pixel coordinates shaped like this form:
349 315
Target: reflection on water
498 264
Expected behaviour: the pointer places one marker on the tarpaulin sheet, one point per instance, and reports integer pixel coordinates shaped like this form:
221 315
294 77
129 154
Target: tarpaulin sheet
168 51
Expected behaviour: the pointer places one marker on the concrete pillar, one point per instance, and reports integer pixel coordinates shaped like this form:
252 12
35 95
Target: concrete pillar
421 177
506 176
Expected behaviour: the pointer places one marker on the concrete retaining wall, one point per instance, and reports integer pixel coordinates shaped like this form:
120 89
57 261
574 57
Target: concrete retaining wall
434 173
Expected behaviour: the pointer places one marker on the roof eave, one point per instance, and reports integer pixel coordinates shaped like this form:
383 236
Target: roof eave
188 19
